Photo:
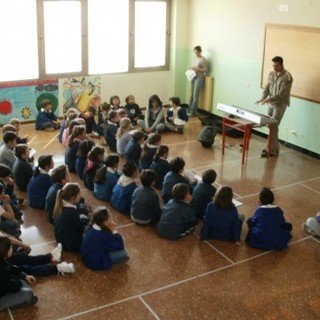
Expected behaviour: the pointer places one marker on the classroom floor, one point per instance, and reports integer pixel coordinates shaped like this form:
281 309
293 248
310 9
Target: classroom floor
190 279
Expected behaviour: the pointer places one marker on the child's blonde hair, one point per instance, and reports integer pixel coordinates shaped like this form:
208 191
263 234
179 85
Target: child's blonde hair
8 127
14 121
125 125
68 191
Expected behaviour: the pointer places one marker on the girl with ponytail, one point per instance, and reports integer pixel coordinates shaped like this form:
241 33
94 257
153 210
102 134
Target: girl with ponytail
69 224
78 134
160 164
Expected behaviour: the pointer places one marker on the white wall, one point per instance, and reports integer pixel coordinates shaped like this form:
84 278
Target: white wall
231 33
141 85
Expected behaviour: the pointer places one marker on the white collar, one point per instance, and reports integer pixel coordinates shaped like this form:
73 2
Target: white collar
43 171
68 204
111 170
96 227
269 206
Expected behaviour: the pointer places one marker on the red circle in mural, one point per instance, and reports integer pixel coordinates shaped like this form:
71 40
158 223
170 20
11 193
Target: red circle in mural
5 107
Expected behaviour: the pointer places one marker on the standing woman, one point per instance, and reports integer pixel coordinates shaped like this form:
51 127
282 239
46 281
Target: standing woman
200 67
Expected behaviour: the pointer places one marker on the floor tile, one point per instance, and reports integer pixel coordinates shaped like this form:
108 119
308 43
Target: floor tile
129 310
262 288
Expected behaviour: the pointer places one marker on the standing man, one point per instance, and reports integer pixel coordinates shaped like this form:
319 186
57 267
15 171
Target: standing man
277 95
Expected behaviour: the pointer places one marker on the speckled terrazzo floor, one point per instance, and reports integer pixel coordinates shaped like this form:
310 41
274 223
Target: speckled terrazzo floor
189 279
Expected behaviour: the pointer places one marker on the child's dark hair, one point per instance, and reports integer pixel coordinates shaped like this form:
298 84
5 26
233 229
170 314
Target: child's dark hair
128 97
95 153
129 169
138 135
91 109
5 245
223 198
266 196
76 131
20 150
5 171
105 107
112 114
177 164
84 148
68 191
147 177
113 97
197 48
99 216
209 176
156 98
59 173
175 100
179 191
111 161
46 103
43 162
154 138
9 136
161 151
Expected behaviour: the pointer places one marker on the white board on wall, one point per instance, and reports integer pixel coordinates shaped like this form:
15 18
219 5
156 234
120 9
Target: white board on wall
299 46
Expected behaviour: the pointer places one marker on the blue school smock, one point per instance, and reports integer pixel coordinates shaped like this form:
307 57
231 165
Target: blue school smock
268 232
221 224
96 246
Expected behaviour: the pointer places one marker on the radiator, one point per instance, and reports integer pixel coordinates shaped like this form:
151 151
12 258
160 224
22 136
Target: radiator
205 99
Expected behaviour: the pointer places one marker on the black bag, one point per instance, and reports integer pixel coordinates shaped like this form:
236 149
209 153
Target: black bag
207 135
209 121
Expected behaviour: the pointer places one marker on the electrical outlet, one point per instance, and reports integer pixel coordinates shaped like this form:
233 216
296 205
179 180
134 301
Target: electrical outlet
283 7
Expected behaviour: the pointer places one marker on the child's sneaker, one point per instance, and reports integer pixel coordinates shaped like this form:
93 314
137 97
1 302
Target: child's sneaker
307 229
65 267
56 253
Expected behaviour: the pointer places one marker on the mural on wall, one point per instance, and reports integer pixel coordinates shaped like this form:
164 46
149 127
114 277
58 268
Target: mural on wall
80 92
23 100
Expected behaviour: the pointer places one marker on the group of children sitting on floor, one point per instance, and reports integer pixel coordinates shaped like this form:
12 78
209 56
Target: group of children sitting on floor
93 233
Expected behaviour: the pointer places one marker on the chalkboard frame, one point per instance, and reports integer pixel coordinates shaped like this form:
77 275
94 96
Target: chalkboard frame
299 47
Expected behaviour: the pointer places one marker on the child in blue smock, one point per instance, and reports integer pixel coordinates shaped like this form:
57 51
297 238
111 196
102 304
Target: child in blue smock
177 217
268 229
221 220
69 223
106 178
204 192
123 190
160 164
40 182
145 206
102 245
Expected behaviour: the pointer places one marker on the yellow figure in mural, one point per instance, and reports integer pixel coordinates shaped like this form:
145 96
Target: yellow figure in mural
86 97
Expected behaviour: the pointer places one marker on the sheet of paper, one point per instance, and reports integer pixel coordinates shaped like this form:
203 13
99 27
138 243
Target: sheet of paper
190 74
237 203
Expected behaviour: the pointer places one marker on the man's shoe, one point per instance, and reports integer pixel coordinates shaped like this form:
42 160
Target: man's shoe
264 154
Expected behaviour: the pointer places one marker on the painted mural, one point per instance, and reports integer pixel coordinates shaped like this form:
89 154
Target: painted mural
23 100
80 92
